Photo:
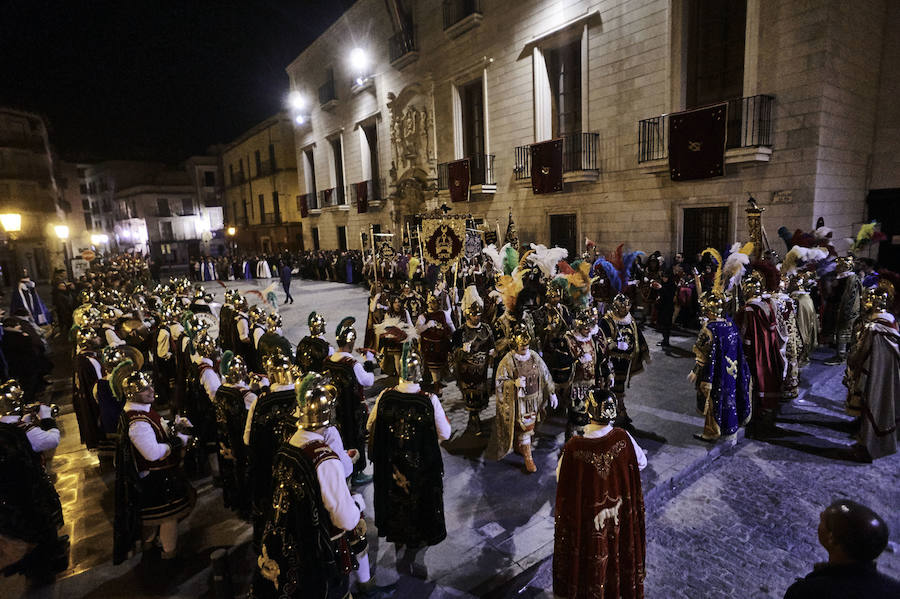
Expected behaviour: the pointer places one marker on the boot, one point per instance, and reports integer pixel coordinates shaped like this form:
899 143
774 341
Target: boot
525 450
475 424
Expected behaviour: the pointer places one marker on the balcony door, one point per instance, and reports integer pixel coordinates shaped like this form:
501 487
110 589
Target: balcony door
564 73
715 51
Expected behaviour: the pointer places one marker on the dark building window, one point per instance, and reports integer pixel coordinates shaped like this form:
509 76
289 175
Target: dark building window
272 157
262 207
209 178
563 232
276 207
187 206
315 238
715 51
258 162
703 228
88 221
231 173
371 132
564 73
162 207
342 238
338 170
311 171
472 100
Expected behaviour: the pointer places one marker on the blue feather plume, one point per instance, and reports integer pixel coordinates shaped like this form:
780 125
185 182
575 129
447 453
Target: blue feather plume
628 261
611 273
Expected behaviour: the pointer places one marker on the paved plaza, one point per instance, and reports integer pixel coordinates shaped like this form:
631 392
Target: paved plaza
722 521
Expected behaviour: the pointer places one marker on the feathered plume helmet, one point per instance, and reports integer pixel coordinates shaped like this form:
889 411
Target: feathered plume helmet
867 234
736 265
547 259
769 273
617 268
718 287
471 301
801 257
579 284
509 287
412 267
494 256
122 370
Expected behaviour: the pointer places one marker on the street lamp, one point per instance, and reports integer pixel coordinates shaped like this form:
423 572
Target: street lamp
98 239
12 223
62 232
231 231
359 62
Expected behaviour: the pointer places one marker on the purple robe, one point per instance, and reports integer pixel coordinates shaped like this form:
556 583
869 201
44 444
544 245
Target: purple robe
729 377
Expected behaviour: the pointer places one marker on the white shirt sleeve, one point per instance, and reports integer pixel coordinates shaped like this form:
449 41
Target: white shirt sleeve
336 495
333 438
441 422
42 440
249 422
162 344
366 379
144 439
243 329
249 400
97 368
370 423
641 456
210 382
330 350
257 333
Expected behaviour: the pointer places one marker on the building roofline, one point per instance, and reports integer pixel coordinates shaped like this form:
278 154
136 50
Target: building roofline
267 123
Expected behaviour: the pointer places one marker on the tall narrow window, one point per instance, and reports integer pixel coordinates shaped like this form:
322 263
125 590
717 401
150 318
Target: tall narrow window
338 162
309 171
472 99
272 166
715 51
262 208
342 238
315 238
371 133
162 207
564 73
258 162
276 208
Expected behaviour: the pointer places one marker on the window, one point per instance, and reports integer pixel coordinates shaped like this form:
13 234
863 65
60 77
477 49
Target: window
563 232
241 168
315 238
471 98
370 163
187 206
376 229
209 178
88 221
231 173
162 207
83 189
80 173
703 228
564 73
165 230
258 162
103 185
338 163
262 208
342 238
272 157
276 207
309 171
715 51
86 204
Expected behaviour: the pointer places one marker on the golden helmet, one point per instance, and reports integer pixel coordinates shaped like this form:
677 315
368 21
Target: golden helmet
256 315
205 345
713 305
234 370
134 383
843 265
316 401
584 321
316 323
11 394
111 356
521 337
601 405
86 340
279 369
554 293
879 298
345 333
273 321
621 305
411 364
752 285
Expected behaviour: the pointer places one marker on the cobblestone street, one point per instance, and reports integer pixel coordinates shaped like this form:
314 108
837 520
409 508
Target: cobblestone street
721 521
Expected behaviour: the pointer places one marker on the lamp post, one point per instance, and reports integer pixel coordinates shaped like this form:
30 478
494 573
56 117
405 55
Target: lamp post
62 233
231 232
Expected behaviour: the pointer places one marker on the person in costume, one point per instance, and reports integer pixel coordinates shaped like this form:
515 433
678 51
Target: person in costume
263 271
314 348
787 310
203 385
109 316
273 341
152 491
763 343
391 332
351 378
200 301
720 374
435 332
87 373
583 354
30 511
473 345
599 542
109 406
377 308
843 307
26 298
873 377
226 320
257 318
406 426
243 339
523 386
232 401
807 317
623 351
304 548
270 422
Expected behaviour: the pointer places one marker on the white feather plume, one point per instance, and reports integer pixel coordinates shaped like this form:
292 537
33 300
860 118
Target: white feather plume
547 259
799 256
735 265
491 252
470 296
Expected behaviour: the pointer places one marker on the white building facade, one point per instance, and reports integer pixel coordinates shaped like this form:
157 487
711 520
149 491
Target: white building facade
807 86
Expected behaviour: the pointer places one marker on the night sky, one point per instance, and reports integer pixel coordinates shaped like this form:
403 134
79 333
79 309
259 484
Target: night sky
152 80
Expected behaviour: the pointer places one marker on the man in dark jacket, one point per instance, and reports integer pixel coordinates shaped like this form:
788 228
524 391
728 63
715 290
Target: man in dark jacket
854 536
284 272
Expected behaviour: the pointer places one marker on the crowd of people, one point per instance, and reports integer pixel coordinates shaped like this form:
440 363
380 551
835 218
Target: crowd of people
287 432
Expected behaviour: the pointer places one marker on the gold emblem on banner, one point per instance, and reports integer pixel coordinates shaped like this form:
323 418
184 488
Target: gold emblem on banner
695 146
444 240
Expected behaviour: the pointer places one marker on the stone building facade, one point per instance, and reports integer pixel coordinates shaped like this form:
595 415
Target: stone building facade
807 86
260 187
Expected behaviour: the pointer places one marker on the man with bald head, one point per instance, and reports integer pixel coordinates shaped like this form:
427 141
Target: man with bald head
854 536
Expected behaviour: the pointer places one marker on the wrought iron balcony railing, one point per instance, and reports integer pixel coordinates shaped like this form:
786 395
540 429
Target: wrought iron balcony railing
401 43
579 154
481 171
457 10
749 125
375 191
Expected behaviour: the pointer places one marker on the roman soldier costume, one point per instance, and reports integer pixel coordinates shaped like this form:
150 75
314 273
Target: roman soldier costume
599 541
583 353
203 384
87 373
624 350
313 349
720 373
787 313
807 318
523 387
272 341
435 332
473 344
271 423
407 425
151 488
304 549
243 340
233 399
843 307
226 321
392 331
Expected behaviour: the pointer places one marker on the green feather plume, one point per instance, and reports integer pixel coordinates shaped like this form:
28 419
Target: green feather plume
345 322
227 357
186 323
510 260
403 357
118 375
304 386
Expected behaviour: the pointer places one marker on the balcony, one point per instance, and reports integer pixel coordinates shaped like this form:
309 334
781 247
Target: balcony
375 192
481 175
311 200
327 95
748 136
579 159
403 49
333 198
461 16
